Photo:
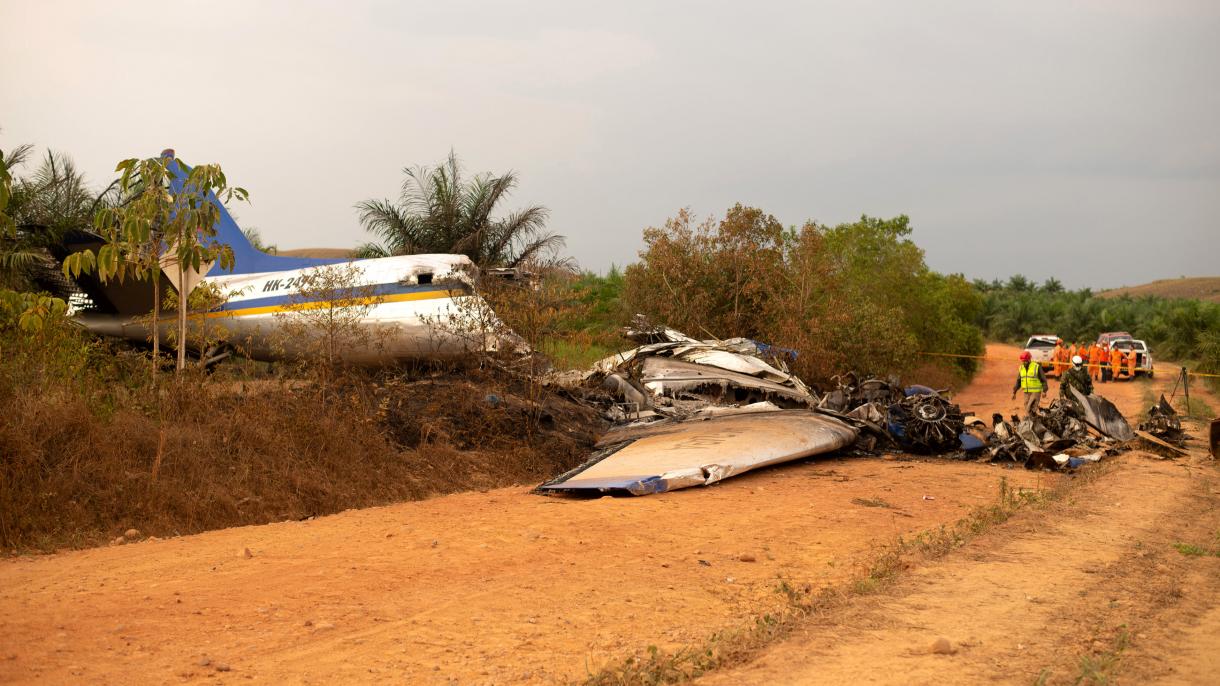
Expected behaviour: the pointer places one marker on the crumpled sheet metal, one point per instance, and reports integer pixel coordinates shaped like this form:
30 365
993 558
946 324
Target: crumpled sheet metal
1163 423
674 362
1101 414
670 377
699 453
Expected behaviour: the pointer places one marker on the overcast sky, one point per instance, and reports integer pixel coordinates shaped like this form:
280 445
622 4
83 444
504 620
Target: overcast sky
1072 139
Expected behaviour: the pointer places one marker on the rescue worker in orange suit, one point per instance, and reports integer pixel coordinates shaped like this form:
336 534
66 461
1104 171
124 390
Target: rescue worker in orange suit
1116 363
1131 364
1061 359
1096 355
1054 361
1031 381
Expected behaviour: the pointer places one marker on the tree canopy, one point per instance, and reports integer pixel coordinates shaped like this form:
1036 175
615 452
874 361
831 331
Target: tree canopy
441 211
855 295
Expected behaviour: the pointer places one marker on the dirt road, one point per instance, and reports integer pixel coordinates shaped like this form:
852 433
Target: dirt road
1094 590
509 587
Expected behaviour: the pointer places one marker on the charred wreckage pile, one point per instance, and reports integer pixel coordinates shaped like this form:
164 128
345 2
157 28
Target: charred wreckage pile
688 412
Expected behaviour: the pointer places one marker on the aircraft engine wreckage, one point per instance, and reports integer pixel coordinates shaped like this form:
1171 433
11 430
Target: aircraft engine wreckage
690 412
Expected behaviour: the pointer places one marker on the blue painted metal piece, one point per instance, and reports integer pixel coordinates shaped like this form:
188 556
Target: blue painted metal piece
774 350
246 258
970 442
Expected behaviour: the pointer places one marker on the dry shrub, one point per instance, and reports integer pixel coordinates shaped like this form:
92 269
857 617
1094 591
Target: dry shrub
855 296
83 463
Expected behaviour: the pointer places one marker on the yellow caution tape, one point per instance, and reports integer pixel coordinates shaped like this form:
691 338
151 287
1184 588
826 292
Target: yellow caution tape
1089 366
971 357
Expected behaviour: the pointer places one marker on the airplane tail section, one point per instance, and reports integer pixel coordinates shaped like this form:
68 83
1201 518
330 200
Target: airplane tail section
246 258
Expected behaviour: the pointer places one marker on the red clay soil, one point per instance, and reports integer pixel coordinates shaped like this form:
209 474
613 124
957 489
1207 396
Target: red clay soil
506 586
1098 589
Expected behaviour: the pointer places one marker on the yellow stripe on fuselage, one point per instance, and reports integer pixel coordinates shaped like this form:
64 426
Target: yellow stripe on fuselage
317 305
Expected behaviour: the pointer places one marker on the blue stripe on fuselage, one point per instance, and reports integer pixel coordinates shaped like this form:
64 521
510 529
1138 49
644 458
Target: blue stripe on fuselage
296 298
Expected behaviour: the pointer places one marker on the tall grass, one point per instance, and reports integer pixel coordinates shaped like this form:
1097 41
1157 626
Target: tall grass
92 447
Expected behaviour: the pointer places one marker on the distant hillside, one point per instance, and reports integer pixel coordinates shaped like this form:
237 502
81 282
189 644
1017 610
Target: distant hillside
316 252
1195 287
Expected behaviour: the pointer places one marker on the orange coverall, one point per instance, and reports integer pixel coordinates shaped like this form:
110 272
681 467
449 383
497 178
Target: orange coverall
1131 364
1116 362
1096 355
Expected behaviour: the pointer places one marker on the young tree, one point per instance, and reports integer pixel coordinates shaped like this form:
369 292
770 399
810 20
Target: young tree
166 222
326 317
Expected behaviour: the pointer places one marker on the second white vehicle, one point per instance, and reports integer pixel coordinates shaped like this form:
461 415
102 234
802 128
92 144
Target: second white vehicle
1143 356
1041 348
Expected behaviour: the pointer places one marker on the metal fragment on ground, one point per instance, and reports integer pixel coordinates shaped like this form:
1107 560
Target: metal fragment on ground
699 453
1163 423
1101 414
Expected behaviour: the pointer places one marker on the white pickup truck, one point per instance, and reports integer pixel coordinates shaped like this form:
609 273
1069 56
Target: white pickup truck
1143 356
1041 347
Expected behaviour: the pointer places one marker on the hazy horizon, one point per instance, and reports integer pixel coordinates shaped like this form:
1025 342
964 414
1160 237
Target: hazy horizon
1077 140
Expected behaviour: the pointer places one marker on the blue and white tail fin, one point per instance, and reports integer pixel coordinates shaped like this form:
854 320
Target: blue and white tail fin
246 258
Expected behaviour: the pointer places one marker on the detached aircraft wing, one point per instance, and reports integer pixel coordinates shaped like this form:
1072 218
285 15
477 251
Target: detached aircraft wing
664 457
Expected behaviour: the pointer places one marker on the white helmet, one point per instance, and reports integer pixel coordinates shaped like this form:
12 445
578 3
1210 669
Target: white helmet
1076 360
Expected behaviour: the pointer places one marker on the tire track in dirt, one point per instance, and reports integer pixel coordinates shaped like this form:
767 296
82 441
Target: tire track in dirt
1029 600
1090 585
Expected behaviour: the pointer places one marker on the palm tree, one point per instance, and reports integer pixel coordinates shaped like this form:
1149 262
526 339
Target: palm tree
440 212
45 206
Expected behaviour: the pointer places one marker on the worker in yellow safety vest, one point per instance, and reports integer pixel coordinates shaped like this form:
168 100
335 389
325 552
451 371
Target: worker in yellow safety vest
1032 382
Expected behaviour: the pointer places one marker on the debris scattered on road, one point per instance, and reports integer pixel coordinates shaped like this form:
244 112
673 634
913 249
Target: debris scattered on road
689 412
1163 423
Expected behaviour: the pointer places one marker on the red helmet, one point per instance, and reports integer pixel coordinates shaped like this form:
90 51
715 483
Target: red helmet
1025 357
